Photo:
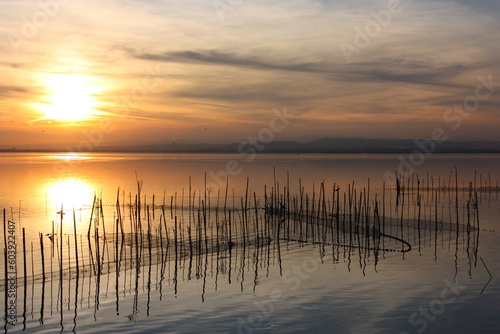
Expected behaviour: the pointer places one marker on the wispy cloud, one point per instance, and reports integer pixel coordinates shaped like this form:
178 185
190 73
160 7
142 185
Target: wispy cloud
382 70
220 58
7 91
233 72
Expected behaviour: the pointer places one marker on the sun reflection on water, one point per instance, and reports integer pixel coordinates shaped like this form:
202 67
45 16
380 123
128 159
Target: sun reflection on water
69 193
70 156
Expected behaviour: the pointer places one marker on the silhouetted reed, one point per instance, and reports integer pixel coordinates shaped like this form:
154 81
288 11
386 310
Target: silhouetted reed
204 230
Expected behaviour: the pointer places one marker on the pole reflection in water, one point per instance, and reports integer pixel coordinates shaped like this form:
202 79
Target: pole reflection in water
210 242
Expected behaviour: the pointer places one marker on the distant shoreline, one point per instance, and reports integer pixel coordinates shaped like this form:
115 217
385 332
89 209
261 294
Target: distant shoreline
258 153
319 146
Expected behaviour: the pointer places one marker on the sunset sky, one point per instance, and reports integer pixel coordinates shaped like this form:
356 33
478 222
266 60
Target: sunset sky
218 71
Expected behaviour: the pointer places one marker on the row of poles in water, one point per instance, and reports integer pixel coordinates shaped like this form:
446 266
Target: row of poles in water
183 235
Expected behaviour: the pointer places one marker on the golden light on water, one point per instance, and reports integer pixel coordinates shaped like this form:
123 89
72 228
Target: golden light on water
64 157
70 193
72 97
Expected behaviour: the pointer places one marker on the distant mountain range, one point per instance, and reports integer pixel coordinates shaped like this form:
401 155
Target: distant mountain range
323 145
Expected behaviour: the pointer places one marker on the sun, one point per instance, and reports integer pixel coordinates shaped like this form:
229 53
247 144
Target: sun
72 97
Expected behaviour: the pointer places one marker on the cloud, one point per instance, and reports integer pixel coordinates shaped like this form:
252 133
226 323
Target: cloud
142 114
7 91
213 57
485 6
423 78
383 70
261 93
268 54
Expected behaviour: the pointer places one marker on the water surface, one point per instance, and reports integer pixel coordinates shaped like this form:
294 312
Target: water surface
313 275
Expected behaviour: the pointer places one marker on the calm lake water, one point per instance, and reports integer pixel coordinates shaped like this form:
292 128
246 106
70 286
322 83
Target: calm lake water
292 244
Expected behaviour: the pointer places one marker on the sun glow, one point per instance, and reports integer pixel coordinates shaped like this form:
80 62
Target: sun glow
72 97
70 193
